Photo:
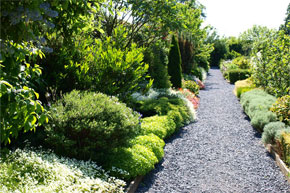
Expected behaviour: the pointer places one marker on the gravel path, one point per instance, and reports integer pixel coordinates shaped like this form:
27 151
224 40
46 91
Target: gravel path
221 152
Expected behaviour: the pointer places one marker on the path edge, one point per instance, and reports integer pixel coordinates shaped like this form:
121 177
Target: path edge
134 184
279 162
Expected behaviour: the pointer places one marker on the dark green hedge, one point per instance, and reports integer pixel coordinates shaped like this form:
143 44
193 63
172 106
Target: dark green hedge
237 74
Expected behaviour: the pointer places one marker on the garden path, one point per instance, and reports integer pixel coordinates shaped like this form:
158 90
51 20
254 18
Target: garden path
221 152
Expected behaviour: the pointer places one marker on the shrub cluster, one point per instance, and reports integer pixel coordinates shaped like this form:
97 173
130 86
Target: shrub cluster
31 170
257 103
273 131
191 85
137 158
83 124
234 75
285 142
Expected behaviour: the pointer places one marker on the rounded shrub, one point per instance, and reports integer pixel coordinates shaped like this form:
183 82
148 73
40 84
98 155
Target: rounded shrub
154 143
161 126
135 160
270 131
85 124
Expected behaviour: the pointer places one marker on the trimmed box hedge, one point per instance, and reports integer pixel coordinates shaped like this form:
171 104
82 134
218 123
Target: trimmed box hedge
237 74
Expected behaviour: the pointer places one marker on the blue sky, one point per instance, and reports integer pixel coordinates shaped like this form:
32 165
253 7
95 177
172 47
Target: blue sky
232 17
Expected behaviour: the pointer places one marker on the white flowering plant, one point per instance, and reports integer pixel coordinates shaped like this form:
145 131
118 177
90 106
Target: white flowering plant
33 171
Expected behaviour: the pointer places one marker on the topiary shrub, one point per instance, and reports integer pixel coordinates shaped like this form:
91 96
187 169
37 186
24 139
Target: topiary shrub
270 131
174 64
282 109
191 85
86 124
161 126
237 74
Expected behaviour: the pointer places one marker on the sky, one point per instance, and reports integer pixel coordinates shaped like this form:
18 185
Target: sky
232 17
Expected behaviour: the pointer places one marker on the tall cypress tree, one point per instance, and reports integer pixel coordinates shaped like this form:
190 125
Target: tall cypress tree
174 64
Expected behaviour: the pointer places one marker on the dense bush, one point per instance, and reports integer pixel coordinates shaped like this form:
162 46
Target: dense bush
242 86
84 124
161 126
271 63
285 141
162 106
42 171
174 64
242 62
257 103
136 159
191 85
282 109
157 59
271 130
237 74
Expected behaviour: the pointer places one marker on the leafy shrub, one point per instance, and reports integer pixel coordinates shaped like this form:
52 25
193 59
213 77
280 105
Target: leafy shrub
30 170
177 118
152 142
282 109
191 85
285 141
237 74
20 111
271 66
83 124
242 62
160 126
270 131
257 103
107 67
174 64
135 160
242 90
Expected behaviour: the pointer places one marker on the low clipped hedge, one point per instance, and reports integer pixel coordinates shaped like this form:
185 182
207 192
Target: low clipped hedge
256 104
272 131
234 75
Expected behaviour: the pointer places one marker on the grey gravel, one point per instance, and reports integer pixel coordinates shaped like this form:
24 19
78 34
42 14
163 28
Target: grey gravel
220 152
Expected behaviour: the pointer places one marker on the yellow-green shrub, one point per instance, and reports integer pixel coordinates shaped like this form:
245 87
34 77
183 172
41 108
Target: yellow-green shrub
285 141
242 86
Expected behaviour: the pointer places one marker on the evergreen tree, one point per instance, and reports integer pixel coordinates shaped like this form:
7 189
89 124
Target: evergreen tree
174 64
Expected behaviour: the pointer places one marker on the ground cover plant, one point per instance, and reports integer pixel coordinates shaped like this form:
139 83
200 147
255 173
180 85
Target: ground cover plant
32 170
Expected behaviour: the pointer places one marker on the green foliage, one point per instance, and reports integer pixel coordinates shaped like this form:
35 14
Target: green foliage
136 160
271 63
86 124
237 74
174 65
20 108
220 51
285 142
191 85
30 170
282 109
157 59
270 131
162 106
160 126
242 62
256 104
152 142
